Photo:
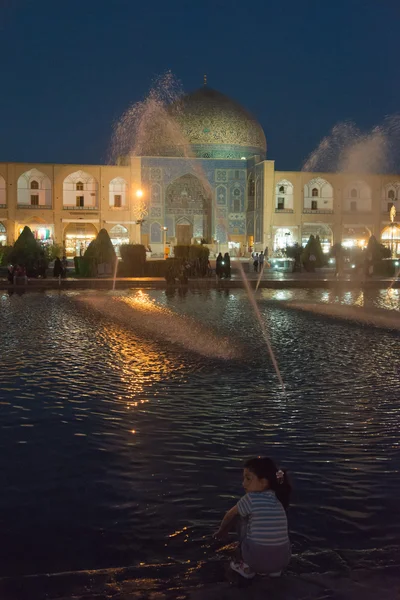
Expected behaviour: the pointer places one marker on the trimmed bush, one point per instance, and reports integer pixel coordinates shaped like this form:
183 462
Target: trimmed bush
182 252
101 249
384 268
133 260
376 251
156 268
27 252
5 252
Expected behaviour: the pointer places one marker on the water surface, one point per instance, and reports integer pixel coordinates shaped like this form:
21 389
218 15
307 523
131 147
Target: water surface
125 418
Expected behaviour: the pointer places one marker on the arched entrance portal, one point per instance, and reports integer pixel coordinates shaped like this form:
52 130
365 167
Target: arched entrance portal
188 207
77 237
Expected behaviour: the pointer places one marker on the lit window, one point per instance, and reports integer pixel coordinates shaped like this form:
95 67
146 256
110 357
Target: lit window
34 200
314 193
282 189
281 203
79 186
314 204
80 200
117 200
34 185
390 204
353 193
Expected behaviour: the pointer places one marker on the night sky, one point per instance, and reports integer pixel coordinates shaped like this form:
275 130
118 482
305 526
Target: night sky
69 69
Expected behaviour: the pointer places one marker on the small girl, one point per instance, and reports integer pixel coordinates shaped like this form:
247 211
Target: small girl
265 545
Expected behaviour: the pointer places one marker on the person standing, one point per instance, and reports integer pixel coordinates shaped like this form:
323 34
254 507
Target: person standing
219 266
227 266
255 263
261 261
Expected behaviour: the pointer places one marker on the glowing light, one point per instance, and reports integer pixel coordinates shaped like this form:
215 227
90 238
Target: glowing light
139 193
133 430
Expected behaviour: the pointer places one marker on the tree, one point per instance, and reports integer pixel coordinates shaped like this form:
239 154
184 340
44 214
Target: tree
26 252
313 248
376 251
101 250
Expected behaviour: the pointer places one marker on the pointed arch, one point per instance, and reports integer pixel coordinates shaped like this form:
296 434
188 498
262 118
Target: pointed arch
284 196
318 196
34 189
119 235
156 233
188 195
357 197
80 198
390 196
118 193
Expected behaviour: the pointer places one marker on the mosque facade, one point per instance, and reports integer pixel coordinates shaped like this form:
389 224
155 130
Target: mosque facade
212 183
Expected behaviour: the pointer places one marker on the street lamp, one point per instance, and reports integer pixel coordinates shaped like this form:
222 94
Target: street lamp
165 229
139 212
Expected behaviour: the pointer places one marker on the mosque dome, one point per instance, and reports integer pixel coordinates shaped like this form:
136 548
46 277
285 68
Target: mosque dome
216 126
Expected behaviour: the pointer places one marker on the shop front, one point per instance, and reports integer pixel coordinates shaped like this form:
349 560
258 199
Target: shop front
77 237
355 236
43 232
3 235
324 232
119 235
284 237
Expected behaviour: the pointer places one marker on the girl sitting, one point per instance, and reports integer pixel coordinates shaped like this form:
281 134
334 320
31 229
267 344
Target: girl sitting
265 545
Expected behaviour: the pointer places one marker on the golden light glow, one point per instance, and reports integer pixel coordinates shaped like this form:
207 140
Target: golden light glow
139 193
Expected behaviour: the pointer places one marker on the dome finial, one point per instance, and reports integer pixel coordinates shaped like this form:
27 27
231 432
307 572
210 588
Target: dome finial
205 79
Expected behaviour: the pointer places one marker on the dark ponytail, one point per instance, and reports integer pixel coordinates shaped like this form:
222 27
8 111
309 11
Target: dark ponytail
265 468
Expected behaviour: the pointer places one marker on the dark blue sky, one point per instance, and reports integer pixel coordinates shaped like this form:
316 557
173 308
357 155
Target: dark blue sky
69 69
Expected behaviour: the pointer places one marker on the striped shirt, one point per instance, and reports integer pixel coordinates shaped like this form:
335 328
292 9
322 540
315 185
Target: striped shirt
267 522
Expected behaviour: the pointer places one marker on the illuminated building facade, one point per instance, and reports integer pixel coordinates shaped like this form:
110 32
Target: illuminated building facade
214 183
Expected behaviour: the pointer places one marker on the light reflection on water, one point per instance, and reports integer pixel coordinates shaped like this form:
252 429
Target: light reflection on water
123 429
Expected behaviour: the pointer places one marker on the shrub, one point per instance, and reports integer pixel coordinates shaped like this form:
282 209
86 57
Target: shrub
156 268
199 252
101 249
26 252
182 251
376 251
313 247
5 252
133 260
384 268
53 251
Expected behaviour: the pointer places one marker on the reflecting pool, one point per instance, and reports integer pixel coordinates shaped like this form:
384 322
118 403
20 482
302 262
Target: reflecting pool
125 418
